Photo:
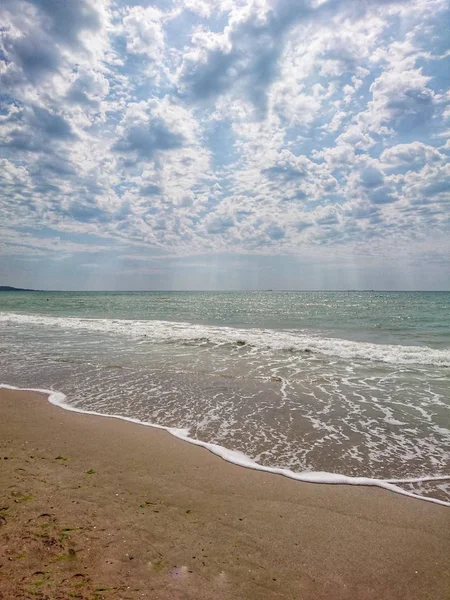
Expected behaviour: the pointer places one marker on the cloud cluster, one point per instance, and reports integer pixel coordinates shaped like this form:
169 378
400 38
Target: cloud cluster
246 126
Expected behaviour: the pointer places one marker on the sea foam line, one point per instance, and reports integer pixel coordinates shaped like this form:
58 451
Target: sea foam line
260 339
242 460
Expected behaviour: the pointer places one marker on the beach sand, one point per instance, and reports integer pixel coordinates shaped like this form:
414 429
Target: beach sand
95 507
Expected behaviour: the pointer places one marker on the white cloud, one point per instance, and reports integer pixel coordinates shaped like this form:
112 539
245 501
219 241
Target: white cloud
143 29
415 154
245 126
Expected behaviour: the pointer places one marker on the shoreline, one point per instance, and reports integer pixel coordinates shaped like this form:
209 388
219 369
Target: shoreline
242 460
123 511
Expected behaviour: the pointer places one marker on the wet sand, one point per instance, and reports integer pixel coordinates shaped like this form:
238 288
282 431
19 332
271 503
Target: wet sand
97 508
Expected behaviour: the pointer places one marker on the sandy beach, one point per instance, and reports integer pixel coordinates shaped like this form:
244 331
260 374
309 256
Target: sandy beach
100 508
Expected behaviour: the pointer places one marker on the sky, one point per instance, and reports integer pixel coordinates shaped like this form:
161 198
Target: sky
225 144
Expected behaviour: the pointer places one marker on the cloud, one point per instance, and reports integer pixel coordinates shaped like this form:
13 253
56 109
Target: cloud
147 138
414 155
245 57
246 126
371 177
66 21
12 174
401 101
88 88
151 190
38 35
33 56
143 31
382 196
35 129
245 54
154 126
51 124
287 169
219 224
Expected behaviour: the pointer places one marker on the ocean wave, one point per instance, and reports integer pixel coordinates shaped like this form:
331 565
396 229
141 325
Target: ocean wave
301 341
242 460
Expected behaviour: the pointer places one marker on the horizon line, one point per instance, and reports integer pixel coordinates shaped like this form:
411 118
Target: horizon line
231 290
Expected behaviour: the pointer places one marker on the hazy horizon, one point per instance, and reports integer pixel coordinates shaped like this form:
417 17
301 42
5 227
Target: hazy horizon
223 290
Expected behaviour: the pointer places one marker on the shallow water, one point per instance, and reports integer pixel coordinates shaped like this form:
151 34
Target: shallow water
352 383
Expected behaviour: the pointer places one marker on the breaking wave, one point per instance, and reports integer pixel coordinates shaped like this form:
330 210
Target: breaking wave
302 341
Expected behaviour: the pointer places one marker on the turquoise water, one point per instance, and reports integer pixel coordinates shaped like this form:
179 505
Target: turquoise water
344 382
421 318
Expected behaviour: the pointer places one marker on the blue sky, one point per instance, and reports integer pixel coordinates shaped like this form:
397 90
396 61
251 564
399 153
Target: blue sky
225 144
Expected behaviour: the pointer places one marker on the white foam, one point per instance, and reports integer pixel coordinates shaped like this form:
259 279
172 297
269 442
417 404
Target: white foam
262 339
242 460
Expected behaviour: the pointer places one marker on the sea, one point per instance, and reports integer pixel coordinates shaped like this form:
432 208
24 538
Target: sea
330 387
